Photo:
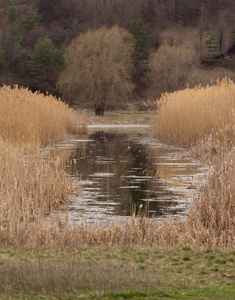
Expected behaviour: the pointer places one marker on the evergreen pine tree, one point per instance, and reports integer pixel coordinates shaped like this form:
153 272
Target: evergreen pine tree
141 50
12 13
15 34
3 63
140 33
233 37
44 59
32 19
211 42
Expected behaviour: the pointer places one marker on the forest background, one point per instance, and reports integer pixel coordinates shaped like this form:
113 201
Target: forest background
185 42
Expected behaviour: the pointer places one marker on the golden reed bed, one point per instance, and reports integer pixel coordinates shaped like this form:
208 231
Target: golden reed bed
28 191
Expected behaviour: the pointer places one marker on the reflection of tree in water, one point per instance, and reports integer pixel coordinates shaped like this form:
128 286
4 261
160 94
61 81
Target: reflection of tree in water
98 155
113 148
141 165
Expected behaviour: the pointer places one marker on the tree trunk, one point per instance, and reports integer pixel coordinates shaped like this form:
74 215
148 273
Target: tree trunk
99 110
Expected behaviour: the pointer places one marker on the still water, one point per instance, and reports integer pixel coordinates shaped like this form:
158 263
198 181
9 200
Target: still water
123 170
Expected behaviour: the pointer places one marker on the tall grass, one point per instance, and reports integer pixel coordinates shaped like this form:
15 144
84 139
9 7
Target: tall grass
30 189
203 119
189 116
32 119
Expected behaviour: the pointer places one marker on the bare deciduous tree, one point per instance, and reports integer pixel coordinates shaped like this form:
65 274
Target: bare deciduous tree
170 68
98 68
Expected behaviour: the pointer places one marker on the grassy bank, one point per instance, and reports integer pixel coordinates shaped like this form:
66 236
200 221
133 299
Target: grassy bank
117 273
132 115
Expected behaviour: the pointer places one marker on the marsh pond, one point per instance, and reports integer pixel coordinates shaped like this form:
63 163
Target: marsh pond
123 170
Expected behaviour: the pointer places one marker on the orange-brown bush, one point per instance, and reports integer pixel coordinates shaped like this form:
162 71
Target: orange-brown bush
170 68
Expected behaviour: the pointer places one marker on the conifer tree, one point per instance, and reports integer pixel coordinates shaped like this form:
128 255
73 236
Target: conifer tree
141 51
3 63
233 37
45 59
15 35
211 42
32 19
12 13
140 33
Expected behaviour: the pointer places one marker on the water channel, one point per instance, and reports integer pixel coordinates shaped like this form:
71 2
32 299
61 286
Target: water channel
123 170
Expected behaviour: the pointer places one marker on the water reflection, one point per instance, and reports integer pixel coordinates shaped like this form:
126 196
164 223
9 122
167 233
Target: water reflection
121 172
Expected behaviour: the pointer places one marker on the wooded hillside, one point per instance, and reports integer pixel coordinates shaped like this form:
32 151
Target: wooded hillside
185 39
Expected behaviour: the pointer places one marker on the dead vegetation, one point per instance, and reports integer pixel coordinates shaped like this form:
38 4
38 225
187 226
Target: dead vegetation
29 189
28 192
193 115
203 119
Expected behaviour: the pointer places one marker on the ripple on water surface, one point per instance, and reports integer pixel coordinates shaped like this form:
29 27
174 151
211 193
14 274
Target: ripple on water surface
122 167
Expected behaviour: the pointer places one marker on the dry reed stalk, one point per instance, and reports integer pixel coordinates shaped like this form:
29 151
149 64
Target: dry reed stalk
189 116
205 119
214 210
24 200
30 189
35 120
210 224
